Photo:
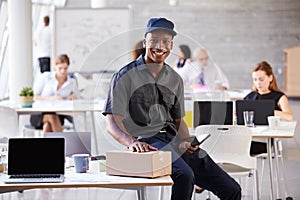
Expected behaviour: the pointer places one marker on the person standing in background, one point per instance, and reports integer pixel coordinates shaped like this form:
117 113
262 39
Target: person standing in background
184 56
43 43
203 72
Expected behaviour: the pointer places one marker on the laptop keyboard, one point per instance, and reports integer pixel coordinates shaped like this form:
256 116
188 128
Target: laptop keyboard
36 176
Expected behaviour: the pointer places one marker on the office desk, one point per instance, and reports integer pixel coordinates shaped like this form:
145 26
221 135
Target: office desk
286 130
66 107
62 106
215 95
88 180
238 94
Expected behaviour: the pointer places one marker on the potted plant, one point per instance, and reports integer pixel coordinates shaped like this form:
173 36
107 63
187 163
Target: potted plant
26 97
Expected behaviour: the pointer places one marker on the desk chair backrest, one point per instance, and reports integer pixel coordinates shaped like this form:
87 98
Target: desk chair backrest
228 144
9 124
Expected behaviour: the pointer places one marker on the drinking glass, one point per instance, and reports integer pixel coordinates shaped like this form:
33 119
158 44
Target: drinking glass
248 118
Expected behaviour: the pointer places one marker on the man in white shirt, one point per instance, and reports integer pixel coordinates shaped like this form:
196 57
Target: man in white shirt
202 72
43 43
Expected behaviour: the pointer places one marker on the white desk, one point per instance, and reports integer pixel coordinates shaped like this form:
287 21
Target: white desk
216 95
238 94
88 180
62 106
286 130
66 107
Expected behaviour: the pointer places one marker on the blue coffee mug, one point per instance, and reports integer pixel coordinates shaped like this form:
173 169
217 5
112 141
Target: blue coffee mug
81 162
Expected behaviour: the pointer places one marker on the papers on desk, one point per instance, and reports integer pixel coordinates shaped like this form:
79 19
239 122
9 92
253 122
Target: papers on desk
88 177
91 177
68 105
101 177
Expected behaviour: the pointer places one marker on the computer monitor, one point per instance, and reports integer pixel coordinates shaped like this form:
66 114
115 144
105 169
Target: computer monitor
262 109
76 142
212 112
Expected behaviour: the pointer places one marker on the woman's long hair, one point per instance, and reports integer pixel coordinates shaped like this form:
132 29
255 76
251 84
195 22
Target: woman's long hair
185 50
266 67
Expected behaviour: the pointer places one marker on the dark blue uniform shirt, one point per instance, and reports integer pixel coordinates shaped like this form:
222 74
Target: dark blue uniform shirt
146 104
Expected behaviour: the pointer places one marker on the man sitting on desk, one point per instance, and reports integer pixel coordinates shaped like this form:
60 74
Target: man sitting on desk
203 73
144 111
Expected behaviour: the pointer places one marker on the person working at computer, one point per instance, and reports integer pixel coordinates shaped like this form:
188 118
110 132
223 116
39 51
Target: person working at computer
184 57
54 86
265 87
144 111
203 73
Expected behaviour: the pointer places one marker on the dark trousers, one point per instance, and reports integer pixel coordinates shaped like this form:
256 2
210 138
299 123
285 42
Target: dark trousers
196 168
258 148
44 64
36 120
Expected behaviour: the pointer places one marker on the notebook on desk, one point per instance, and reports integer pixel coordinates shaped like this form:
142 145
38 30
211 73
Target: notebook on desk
212 112
36 160
76 142
262 109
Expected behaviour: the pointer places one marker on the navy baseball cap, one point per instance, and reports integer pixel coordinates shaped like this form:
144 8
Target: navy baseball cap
160 24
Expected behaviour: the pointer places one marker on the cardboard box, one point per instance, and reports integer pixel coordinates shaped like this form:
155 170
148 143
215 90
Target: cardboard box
149 164
1 168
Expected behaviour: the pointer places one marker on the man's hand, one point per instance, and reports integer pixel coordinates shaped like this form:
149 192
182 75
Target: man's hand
220 87
187 148
71 97
138 146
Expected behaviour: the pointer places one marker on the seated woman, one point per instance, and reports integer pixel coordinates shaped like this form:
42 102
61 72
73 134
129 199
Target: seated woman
184 56
54 86
265 87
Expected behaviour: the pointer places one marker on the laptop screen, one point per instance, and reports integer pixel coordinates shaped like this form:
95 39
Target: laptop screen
212 112
76 142
36 156
262 109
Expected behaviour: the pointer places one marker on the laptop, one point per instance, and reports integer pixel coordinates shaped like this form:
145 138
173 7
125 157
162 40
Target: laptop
76 142
212 112
262 109
36 160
